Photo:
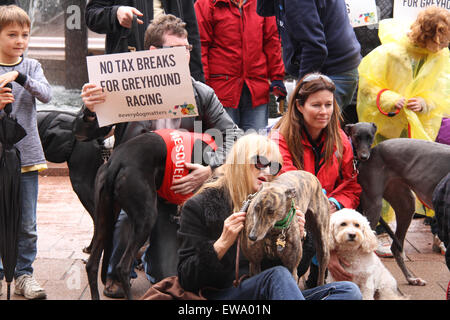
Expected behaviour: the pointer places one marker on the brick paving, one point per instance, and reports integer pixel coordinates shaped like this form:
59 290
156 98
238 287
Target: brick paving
65 228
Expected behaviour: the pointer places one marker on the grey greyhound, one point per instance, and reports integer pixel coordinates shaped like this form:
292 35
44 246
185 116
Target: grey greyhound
392 170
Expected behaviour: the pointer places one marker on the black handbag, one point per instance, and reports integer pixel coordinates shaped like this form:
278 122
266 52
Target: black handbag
122 44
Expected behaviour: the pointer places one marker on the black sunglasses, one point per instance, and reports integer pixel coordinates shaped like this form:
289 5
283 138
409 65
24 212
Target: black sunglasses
262 162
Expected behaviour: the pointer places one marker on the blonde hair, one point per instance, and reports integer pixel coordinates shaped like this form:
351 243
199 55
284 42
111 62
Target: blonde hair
235 174
433 24
13 14
292 124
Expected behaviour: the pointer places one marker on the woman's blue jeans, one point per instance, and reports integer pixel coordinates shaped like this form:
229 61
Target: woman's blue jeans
27 239
346 83
277 283
246 116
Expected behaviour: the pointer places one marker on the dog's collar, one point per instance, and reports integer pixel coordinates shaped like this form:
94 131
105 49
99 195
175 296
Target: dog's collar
286 222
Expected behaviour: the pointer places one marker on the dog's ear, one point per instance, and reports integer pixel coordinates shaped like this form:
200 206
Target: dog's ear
290 193
348 129
374 128
370 242
332 241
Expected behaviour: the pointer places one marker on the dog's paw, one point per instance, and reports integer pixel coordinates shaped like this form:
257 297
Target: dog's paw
416 282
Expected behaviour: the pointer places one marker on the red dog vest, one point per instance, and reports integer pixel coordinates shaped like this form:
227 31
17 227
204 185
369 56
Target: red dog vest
179 151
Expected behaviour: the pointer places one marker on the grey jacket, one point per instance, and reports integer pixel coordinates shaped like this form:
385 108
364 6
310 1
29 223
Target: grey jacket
212 118
30 85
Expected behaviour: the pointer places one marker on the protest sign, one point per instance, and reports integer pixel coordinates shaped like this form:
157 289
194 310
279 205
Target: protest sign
362 12
409 9
143 85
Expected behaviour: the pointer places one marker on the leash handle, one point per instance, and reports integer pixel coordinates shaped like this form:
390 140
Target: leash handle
244 208
388 114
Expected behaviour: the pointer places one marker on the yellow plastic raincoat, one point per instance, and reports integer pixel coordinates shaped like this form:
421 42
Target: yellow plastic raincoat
406 71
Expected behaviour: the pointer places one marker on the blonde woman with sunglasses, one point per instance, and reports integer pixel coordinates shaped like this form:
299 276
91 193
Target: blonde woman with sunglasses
211 222
310 138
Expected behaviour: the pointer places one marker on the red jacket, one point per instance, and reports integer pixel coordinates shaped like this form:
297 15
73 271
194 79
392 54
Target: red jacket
238 48
340 184
179 145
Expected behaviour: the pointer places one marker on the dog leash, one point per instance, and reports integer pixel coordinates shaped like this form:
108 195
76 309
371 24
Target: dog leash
388 114
244 208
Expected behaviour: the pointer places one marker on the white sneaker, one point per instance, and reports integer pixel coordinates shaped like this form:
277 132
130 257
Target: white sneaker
384 246
27 286
438 245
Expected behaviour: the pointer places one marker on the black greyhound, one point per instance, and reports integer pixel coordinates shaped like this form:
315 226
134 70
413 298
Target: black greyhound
129 181
83 158
392 170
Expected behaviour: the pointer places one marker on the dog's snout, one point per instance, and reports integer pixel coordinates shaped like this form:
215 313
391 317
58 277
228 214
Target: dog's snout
364 156
351 236
252 237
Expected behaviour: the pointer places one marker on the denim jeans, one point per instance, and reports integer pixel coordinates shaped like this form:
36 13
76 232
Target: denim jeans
277 283
120 239
246 116
346 83
27 238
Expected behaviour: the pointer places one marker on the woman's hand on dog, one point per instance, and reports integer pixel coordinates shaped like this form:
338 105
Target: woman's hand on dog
92 95
232 226
336 269
301 221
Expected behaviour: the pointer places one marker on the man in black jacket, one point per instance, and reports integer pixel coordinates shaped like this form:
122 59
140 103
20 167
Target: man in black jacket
316 35
211 118
114 18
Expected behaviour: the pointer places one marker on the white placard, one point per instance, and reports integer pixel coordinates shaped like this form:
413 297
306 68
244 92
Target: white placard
409 9
362 12
143 85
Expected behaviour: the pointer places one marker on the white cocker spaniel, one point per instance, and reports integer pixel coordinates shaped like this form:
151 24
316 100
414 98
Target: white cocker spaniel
354 241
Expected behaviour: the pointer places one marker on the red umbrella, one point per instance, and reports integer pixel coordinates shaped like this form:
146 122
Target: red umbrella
10 205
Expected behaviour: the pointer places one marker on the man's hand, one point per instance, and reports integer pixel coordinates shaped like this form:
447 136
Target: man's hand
91 95
193 180
336 269
125 16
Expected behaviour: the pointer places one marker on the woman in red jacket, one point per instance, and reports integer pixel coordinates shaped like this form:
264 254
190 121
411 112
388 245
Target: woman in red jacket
241 52
310 138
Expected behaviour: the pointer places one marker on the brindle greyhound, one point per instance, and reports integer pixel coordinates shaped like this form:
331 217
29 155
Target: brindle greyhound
272 230
392 170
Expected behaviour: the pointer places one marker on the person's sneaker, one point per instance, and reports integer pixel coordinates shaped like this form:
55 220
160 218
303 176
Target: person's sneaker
384 246
27 286
438 245
113 289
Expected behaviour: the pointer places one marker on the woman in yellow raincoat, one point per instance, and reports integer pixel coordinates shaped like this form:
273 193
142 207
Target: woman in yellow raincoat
409 74
404 85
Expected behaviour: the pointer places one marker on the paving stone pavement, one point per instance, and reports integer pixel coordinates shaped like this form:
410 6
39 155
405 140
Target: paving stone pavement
65 228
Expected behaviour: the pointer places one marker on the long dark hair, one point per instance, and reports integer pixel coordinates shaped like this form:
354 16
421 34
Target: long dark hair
292 124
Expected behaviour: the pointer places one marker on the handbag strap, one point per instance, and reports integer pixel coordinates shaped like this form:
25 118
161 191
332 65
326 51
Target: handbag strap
244 208
125 33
